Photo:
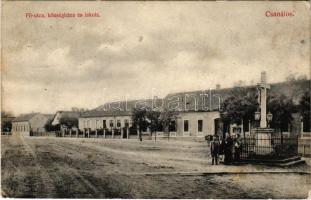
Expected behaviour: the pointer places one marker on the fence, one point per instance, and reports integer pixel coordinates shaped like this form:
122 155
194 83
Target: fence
304 144
268 148
49 134
6 133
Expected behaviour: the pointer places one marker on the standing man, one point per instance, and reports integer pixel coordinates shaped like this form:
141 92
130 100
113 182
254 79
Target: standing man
237 148
215 149
228 149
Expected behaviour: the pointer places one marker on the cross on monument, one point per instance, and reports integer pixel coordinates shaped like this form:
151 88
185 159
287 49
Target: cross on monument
263 86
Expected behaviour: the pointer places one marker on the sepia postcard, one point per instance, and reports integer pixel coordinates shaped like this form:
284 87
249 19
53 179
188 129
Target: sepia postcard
155 99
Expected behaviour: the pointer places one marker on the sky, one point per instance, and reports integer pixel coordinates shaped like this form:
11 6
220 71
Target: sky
141 49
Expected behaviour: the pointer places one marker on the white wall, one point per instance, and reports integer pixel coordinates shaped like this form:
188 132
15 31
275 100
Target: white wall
21 128
193 117
97 122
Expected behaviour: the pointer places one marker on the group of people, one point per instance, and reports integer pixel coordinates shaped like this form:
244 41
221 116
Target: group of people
228 148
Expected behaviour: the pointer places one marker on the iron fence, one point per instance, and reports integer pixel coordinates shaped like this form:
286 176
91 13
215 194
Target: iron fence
267 148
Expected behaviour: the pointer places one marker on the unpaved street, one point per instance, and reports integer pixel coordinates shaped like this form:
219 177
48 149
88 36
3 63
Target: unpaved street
99 168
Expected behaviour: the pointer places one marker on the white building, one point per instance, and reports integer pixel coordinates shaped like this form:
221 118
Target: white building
27 123
197 113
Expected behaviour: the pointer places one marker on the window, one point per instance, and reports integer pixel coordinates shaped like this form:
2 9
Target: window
172 126
118 123
245 126
126 123
88 123
200 125
186 125
111 123
104 124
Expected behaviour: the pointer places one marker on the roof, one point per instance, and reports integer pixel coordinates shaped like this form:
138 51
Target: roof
49 116
71 114
121 108
24 117
199 100
7 119
97 113
27 117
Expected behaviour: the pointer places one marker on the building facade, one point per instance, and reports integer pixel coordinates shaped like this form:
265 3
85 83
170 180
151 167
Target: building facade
196 124
25 124
197 113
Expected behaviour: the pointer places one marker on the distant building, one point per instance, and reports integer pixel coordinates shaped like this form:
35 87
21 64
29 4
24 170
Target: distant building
27 123
64 114
115 117
197 113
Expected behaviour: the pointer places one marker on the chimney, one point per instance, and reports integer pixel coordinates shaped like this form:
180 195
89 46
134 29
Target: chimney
217 86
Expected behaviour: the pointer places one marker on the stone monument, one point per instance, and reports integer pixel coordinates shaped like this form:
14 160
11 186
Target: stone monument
263 133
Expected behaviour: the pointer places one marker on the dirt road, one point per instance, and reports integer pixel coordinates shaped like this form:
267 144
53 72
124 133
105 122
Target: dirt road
98 168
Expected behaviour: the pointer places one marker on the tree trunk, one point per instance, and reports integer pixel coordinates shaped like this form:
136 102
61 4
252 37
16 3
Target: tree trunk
140 135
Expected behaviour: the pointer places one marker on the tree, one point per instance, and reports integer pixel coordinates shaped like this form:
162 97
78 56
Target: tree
139 120
295 77
6 121
305 107
239 106
281 108
69 122
166 118
154 121
49 127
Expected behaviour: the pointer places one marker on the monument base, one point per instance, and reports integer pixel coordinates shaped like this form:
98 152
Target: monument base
263 140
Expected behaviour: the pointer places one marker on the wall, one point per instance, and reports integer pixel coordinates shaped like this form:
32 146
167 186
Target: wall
97 122
193 117
304 145
21 128
38 122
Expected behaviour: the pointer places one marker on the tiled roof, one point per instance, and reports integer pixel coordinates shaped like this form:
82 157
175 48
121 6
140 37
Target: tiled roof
122 108
102 113
49 116
200 100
